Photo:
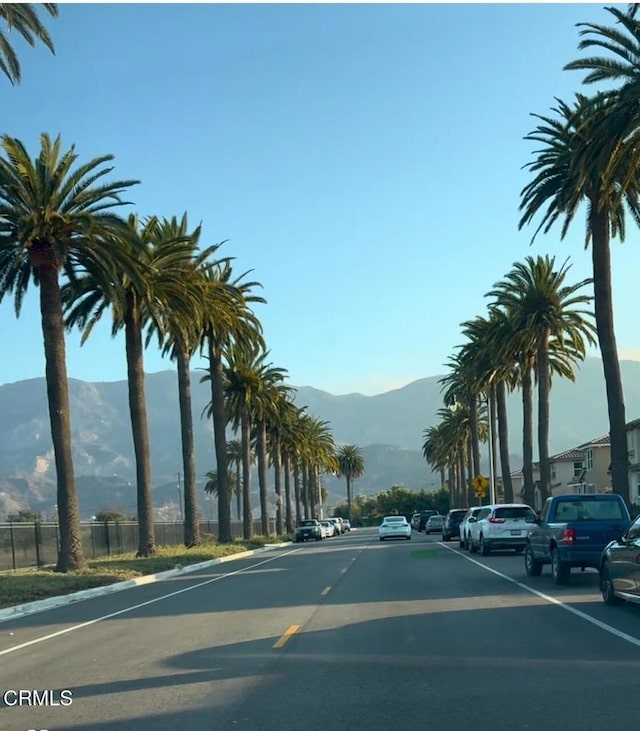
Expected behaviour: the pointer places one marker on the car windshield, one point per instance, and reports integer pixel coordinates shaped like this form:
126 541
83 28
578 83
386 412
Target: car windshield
307 523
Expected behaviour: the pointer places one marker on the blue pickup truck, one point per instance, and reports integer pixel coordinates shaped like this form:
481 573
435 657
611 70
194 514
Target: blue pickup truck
572 531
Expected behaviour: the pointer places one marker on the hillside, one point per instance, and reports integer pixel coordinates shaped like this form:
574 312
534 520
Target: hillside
388 426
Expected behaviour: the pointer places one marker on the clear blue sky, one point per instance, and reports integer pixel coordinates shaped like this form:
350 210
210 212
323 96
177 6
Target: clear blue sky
364 160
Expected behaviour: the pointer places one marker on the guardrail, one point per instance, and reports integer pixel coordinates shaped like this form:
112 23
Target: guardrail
30 545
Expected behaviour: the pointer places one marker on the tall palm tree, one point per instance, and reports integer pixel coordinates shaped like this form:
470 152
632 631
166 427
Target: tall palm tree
234 457
351 467
141 296
538 302
55 218
579 163
179 330
220 329
462 386
23 18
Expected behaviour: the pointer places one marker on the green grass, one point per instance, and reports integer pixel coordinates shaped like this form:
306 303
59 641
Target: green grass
28 585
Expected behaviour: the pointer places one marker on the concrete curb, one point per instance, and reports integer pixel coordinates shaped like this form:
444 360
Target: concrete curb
42 605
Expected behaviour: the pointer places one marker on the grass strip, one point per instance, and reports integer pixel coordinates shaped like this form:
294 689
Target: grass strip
28 585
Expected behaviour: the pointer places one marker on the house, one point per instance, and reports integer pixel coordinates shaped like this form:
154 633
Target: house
597 466
567 471
517 480
633 452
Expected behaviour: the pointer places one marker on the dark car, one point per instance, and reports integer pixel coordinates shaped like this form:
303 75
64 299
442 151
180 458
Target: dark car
424 517
308 530
451 525
620 567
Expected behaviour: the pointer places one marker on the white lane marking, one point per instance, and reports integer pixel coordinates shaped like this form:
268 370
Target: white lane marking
74 627
552 600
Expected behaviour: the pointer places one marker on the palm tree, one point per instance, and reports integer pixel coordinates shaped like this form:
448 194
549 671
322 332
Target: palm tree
179 330
212 484
538 302
351 467
142 295
56 217
566 173
219 330
24 19
234 457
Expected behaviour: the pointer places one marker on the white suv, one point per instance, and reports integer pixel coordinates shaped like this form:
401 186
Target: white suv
500 526
465 526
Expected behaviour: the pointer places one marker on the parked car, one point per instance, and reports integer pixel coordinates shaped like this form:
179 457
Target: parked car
434 524
347 525
469 518
620 567
394 526
451 524
424 517
573 531
328 529
337 524
308 530
501 526
415 521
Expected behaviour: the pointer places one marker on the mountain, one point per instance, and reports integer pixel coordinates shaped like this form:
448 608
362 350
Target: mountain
389 427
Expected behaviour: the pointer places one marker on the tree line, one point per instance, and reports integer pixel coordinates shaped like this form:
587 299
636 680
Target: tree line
537 325
61 230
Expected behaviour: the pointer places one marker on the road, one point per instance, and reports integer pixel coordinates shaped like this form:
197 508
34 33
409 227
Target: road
346 633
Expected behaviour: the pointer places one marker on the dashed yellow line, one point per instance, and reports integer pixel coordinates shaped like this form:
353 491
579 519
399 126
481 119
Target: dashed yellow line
287 635
325 591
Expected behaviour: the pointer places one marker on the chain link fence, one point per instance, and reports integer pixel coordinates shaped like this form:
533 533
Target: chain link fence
30 545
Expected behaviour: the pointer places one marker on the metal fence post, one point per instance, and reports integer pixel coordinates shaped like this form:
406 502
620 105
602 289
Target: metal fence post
36 531
13 547
107 537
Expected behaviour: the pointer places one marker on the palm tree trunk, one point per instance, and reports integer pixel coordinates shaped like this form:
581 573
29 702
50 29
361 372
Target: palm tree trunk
443 478
139 427
527 435
261 450
216 374
296 491
245 441
544 388
70 554
503 436
493 456
191 515
305 491
461 475
349 497
452 486
277 481
603 304
239 489
468 458
286 464
475 440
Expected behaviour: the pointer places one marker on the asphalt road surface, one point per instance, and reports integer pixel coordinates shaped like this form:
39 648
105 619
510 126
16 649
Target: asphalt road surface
346 633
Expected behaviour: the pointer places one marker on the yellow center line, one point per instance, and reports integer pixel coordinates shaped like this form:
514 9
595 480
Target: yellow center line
287 635
325 591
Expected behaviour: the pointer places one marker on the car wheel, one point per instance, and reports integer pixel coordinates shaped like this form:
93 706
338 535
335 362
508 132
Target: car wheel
461 543
485 548
472 548
532 566
559 571
606 587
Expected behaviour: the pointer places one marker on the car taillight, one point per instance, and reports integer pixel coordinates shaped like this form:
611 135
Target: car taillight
569 536
497 520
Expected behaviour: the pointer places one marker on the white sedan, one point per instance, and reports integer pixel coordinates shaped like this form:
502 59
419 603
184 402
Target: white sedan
394 526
